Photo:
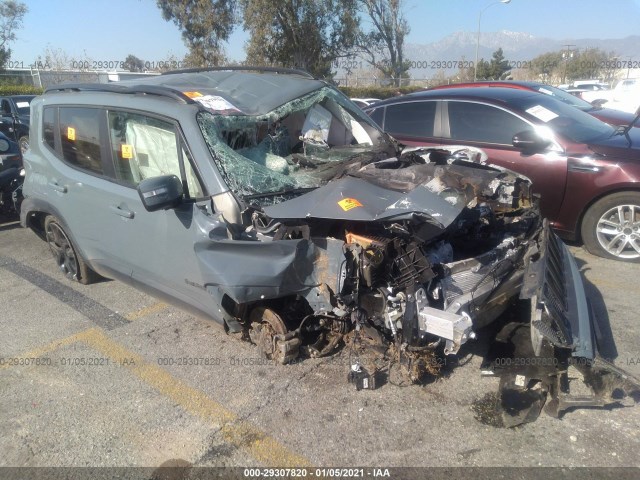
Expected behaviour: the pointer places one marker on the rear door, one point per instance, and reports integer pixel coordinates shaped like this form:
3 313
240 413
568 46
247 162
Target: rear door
412 123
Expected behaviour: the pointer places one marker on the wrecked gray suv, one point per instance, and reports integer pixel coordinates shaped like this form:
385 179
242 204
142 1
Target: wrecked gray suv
267 201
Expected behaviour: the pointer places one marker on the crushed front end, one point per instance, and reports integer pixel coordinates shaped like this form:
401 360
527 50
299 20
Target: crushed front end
402 261
333 237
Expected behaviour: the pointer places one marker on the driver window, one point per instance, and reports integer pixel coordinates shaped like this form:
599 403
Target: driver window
6 108
145 147
477 122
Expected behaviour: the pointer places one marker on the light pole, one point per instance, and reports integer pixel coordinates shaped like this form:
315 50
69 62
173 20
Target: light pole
475 65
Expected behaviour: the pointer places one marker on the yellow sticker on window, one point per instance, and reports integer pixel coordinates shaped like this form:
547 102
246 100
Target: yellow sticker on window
192 94
348 203
127 151
71 133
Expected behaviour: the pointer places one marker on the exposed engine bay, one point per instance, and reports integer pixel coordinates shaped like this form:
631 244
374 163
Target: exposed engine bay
402 261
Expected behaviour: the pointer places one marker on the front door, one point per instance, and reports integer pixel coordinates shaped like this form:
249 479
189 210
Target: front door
492 129
158 246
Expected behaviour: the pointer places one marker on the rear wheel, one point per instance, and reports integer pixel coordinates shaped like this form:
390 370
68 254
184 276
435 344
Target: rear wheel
64 254
611 227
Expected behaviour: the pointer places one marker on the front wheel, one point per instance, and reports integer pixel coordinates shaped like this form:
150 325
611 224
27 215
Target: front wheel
611 227
69 263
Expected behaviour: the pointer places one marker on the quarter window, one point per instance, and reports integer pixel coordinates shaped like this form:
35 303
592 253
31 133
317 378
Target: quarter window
80 137
414 119
48 127
477 122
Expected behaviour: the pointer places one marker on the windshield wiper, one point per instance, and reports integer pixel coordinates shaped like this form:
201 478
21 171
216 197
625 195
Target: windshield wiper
287 191
625 129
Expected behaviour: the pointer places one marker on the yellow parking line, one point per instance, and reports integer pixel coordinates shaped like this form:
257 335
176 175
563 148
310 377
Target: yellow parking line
235 431
41 351
155 308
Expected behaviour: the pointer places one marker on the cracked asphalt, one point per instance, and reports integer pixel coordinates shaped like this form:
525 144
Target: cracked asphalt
104 375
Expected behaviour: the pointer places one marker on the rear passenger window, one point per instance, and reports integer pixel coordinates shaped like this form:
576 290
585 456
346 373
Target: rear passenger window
414 119
48 127
80 137
145 147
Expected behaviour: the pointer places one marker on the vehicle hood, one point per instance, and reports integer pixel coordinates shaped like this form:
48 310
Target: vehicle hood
424 193
613 117
625 147
358 200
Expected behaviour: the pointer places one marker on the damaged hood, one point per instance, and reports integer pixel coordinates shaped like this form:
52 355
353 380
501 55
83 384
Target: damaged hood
431 193
357 199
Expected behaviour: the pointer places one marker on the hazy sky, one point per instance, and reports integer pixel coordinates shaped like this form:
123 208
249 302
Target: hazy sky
112 29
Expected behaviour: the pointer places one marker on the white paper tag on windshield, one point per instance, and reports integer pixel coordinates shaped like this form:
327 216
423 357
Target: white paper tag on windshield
217 104
22 104
542 113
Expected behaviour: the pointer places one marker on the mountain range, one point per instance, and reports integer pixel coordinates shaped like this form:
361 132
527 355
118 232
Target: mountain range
517 46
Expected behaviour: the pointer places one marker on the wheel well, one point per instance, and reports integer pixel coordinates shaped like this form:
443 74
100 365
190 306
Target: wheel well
594 200
35 221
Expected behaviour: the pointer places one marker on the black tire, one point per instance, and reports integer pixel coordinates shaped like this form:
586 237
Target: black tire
70 263
611 227
24 143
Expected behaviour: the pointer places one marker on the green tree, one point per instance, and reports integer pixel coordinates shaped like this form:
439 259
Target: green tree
568 65
586 64
133 64
307 34
494 69
383 44
11 15
544 67
205 25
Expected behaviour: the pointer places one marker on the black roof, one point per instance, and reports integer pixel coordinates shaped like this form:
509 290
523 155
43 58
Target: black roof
252 90
490 94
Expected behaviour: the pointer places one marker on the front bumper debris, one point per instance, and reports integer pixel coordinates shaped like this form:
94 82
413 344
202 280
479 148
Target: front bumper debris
554 359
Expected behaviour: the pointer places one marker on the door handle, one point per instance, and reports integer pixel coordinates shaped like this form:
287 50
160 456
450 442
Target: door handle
122 212
58 188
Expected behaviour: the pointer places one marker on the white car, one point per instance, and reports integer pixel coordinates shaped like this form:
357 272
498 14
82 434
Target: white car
625 96
364 102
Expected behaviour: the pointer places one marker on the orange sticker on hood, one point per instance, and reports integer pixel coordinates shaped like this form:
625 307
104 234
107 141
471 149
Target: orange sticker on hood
348 203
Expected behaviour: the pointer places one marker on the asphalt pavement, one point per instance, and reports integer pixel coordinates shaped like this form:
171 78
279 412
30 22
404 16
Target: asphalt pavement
106 376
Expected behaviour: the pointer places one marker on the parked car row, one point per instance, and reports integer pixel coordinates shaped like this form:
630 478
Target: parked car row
586 171
14 118
625 96
607 115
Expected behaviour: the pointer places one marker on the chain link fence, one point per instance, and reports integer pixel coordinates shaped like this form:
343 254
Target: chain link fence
47 78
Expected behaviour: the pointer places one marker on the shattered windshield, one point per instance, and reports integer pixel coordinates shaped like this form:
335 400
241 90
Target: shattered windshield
301 144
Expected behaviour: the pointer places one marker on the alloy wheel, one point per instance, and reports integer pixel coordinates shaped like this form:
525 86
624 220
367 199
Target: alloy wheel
618 231
62 250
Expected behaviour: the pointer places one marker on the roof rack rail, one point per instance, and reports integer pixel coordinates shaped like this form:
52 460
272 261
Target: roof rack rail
289 71
126 89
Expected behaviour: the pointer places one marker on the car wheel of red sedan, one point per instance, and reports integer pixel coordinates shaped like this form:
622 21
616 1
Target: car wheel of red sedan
611 227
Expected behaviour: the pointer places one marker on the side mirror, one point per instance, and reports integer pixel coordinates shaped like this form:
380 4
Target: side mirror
160 193
4 145
530 141
599 102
